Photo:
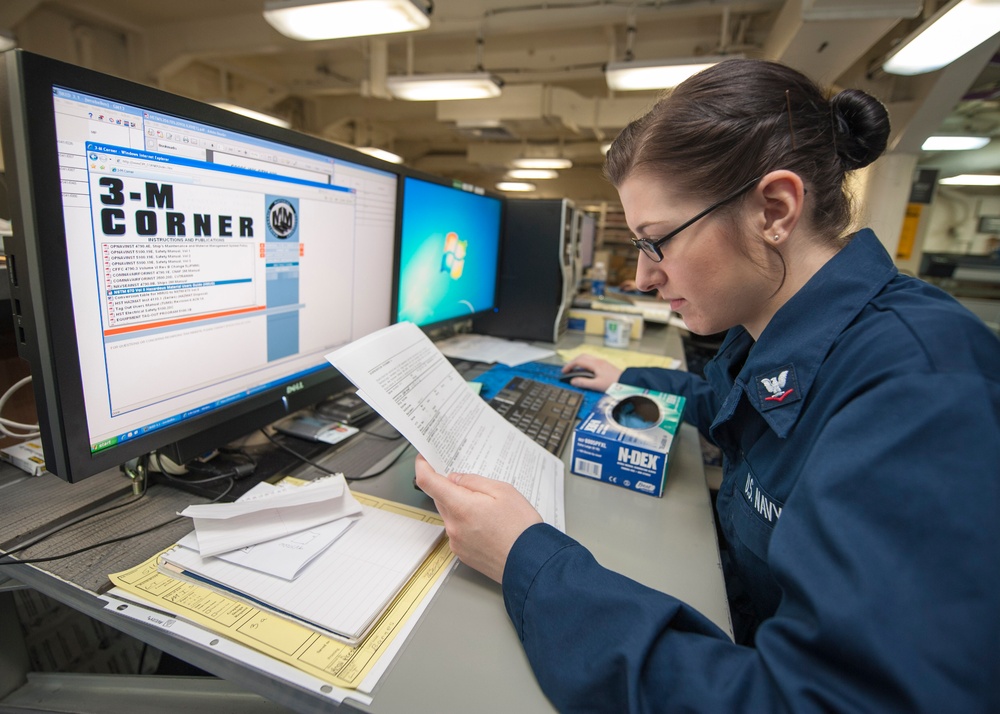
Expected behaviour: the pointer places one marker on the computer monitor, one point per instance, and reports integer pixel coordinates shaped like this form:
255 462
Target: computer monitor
449 252
178 271
587 236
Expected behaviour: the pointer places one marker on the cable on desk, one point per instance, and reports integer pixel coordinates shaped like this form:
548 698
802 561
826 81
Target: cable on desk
236 471
5 557
324 469
79 519
296 454
6 425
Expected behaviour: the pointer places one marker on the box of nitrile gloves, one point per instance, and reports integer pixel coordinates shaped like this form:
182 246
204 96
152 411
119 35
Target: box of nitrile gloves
627 439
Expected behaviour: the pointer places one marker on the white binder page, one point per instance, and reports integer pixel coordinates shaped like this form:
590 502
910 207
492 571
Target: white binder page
407 380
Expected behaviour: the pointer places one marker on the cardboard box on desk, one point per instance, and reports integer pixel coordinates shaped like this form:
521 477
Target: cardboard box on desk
26 456
626 440
591 322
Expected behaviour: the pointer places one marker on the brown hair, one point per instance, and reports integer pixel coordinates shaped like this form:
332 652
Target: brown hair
744 118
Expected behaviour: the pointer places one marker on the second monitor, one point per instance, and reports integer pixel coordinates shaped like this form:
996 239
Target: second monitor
449 253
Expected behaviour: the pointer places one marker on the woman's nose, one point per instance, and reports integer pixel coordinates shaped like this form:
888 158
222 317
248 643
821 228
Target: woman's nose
647 274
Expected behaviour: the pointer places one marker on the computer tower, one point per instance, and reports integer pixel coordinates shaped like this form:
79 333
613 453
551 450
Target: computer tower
537 271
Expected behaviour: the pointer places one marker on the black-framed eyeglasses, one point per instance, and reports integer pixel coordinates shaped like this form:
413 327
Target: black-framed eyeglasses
651 248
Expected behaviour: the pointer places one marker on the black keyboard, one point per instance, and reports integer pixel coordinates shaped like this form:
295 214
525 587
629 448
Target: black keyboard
544 412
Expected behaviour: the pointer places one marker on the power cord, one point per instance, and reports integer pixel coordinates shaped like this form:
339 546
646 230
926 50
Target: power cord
207 473
6 559
297 455
324 469
6 425
76 521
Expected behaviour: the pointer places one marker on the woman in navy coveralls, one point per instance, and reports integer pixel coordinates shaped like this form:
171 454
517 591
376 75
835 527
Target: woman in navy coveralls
858 411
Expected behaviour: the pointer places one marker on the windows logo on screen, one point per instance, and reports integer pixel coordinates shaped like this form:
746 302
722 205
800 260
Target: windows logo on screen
453 260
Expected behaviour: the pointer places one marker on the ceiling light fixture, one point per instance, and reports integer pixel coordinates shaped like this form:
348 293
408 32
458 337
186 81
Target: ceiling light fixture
381 154
259 116
952 31
954 143
521 174
541 163
971 180
631 76
444 87
317 20
515 186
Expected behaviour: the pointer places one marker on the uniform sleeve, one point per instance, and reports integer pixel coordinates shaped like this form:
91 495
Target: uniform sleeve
886 554
701 403
600 642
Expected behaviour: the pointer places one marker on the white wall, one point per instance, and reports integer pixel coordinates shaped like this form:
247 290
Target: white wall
881 192
953 220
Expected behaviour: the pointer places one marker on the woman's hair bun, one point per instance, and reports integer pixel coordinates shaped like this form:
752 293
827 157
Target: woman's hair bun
860 126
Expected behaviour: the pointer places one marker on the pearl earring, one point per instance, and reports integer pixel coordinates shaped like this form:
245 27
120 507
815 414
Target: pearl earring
777 237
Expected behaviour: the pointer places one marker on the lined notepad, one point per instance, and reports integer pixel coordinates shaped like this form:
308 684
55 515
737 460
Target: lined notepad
344 590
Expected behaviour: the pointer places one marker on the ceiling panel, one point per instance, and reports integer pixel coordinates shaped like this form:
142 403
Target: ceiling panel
552 52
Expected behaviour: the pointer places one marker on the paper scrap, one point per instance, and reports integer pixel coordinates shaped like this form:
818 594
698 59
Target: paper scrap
484 348
622 359
225 527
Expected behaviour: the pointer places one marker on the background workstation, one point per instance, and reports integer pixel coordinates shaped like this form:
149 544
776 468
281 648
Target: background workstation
667 543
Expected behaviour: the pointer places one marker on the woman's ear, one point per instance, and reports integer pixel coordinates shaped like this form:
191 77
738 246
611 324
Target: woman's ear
782 193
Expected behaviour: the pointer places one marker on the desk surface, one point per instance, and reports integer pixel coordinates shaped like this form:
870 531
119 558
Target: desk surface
464 654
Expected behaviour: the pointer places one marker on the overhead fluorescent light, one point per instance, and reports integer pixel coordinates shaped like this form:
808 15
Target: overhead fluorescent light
954 143
381 154
541 163
259 116
971 180
515 186
655 74
521 174
952 31
317 20
444 87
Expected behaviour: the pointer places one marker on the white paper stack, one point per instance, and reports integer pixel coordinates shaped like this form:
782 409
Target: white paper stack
311 553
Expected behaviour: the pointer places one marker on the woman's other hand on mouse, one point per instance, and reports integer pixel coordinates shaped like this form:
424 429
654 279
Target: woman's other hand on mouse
605 373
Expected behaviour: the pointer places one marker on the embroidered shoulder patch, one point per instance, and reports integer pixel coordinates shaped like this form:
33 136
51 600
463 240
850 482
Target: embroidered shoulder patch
777 387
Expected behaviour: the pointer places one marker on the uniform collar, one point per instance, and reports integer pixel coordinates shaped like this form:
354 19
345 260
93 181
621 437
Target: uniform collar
781 367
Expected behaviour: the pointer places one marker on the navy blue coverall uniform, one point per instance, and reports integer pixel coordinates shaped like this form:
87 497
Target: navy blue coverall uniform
860 505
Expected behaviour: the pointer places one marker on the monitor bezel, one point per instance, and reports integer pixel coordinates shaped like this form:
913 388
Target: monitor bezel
456 185
39 271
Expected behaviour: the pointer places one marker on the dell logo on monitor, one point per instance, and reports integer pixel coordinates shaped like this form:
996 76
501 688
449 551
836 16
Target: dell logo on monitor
292 388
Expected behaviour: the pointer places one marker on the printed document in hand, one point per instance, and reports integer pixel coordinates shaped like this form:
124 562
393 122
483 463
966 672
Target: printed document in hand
224 527
406 379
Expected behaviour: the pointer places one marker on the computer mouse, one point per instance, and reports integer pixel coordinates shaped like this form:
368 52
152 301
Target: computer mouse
575 372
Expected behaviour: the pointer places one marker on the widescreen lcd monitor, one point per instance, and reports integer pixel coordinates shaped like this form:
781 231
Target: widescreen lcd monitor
178 272
449 252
